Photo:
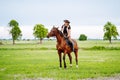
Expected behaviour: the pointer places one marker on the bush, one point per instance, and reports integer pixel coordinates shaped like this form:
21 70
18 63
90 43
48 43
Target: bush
98 48
103 48
83 37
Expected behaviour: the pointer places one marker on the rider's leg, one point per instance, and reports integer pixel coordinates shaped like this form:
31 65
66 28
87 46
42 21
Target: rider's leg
71 44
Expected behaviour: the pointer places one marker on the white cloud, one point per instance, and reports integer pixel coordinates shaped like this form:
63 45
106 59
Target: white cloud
4 33
27 32
93 32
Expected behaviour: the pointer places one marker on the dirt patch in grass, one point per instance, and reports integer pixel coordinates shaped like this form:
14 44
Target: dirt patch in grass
38 79
116 77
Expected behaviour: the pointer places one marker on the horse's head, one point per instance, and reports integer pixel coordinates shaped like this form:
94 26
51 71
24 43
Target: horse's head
53 32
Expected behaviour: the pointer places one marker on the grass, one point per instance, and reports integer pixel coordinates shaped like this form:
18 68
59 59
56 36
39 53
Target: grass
20 63
33 45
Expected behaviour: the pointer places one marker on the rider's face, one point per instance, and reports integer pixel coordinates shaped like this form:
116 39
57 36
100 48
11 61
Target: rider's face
66 24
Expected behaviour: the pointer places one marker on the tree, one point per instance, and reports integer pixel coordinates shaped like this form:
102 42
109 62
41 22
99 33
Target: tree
110 31
15 30
40 32
83 37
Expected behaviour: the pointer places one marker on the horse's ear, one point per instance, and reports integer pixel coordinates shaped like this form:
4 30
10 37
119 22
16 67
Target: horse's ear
57 27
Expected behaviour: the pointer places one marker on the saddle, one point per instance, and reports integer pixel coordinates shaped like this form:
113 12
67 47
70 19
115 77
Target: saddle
69 43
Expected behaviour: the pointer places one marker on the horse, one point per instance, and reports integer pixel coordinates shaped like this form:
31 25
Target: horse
63 47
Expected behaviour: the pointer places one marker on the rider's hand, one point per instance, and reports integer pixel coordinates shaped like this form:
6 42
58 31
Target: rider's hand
68 36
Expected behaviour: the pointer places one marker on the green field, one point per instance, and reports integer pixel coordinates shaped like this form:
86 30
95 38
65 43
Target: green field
29 60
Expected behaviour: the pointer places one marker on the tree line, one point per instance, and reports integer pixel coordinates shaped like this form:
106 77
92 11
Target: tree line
39 31
110 31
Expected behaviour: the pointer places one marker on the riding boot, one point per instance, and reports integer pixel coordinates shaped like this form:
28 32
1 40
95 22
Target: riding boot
72 46
69 42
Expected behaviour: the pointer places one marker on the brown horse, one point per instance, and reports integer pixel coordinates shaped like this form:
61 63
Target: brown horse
63 47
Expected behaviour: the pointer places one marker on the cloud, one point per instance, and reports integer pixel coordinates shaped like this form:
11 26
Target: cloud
93 32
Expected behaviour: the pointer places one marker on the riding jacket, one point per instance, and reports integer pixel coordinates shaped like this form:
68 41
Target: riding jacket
66 30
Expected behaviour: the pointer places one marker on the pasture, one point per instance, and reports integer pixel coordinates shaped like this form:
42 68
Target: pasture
29 60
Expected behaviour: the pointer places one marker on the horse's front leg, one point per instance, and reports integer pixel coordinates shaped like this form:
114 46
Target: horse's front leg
64 60
60 58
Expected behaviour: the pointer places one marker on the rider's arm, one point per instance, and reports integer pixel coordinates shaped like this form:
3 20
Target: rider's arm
69 31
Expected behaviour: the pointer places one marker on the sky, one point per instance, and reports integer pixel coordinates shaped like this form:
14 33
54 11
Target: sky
86 16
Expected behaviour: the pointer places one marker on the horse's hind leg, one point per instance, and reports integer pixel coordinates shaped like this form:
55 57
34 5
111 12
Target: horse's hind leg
70 58
76 57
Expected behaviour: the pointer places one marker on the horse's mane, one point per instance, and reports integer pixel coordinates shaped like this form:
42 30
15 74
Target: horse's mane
61 34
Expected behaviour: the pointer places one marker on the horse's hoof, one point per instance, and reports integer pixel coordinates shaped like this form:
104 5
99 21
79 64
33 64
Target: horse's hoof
65 67
70 65
76 66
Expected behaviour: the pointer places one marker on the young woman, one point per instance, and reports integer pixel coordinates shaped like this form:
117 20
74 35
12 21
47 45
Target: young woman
66 30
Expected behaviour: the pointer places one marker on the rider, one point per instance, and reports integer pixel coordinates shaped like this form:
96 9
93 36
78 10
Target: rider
66 30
